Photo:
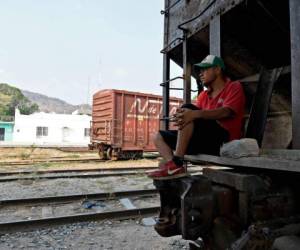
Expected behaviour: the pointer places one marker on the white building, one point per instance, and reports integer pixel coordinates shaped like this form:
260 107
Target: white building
51 129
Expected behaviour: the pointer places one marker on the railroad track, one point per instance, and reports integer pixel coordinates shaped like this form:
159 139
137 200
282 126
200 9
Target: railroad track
69 176
120 214
59 159
77 170
52 160
109 173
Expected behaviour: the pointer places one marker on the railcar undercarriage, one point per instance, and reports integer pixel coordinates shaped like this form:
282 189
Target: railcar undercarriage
227 209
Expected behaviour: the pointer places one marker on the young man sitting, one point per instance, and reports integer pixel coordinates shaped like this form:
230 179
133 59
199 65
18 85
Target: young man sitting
216 119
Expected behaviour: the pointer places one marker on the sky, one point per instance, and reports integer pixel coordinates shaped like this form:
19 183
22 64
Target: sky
69 49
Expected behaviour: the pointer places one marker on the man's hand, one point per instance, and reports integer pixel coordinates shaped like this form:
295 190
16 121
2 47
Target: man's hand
183 117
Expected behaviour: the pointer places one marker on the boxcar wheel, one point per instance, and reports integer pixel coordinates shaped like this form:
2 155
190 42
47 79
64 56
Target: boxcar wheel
137 155
109 153
112 154
102 153
115 154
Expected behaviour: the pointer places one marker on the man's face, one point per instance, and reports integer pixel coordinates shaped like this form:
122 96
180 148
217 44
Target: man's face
208 75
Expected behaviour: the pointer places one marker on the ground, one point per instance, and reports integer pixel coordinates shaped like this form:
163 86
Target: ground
127 234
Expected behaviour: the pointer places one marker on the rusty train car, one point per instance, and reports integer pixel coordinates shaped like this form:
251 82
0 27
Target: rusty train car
254 202
124 123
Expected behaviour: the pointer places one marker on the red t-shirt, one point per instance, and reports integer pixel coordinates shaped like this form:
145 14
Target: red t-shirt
232 96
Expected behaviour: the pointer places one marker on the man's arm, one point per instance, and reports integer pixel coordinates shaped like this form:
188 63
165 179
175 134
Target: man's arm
185 116
213 114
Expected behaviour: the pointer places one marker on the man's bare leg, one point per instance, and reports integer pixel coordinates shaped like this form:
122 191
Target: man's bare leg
174 167
183 139
163 148
184 136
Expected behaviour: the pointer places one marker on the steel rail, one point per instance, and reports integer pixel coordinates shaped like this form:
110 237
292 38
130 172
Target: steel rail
52 221
55 171
100 175
29 162
96 175
70 198
58 147
57 160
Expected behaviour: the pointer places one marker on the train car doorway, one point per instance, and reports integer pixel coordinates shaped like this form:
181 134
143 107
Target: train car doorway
2 134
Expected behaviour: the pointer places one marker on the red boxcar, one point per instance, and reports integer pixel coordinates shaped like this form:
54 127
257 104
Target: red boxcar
124 123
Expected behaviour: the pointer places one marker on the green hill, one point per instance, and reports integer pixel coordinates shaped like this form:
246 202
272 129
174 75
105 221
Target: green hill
11 97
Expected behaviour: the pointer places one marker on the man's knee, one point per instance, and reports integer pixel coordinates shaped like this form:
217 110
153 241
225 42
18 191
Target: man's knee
186 133
158 138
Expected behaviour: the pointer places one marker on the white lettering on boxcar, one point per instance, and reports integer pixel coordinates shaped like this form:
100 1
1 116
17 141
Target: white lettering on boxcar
137 109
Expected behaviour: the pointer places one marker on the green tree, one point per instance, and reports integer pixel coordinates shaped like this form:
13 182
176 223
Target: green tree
12 98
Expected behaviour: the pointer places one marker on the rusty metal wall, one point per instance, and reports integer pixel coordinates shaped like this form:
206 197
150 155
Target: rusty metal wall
128 120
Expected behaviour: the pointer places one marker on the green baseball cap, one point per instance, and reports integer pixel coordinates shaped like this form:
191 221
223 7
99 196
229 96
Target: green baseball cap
211 61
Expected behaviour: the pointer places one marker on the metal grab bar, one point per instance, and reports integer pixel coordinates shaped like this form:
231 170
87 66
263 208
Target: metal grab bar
173 79
176 88
166 11
163 51
196 17
170 80
192 90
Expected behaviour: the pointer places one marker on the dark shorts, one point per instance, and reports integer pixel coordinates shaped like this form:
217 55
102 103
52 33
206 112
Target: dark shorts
208 136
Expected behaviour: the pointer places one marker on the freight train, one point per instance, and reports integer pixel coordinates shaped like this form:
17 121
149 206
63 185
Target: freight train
124 123
250 202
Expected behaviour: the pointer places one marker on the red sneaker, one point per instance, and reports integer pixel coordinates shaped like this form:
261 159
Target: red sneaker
168 171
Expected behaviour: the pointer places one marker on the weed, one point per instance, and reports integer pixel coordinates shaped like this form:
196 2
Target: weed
74 156
25 155
45 165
